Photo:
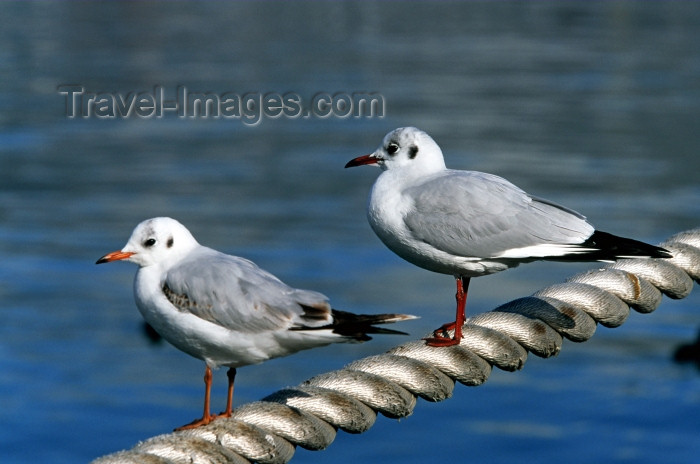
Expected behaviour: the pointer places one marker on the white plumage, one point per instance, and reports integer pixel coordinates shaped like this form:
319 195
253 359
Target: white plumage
224 309
468 223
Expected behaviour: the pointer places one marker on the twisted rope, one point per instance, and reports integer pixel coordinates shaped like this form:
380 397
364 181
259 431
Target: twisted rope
349 399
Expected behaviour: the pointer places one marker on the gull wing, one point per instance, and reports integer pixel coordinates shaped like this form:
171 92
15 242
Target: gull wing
474 214
235 293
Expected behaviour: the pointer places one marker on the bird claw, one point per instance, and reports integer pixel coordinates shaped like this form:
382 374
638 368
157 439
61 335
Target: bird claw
441 336
197 423
444 328
441 341
204 421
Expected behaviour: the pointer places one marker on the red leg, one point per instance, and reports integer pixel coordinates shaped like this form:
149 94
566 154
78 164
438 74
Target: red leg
440 337
206 416
229 402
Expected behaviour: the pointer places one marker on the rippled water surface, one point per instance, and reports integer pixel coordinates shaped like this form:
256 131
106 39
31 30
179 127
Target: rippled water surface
593 105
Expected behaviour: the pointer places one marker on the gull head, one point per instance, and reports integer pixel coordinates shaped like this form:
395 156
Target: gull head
159 240
406 148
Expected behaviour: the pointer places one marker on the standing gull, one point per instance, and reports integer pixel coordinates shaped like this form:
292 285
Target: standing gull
227 311
470 224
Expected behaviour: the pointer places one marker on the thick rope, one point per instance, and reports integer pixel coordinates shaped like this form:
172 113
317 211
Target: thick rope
349 399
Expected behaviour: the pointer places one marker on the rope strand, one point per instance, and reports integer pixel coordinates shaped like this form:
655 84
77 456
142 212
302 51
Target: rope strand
349 399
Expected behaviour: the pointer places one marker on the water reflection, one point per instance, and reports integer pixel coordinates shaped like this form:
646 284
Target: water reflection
592 105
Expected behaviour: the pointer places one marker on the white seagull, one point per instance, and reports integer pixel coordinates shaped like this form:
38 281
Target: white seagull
470 224
227 311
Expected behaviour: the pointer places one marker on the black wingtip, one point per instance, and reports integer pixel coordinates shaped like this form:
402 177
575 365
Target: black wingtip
612 247
358 326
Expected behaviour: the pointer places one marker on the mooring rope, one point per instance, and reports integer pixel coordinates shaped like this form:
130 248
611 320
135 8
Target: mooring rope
308 415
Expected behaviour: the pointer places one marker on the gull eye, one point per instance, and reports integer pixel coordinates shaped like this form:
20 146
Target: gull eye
392 148
149 243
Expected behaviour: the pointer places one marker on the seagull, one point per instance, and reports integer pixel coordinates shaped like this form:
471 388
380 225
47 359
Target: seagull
227 311
469 224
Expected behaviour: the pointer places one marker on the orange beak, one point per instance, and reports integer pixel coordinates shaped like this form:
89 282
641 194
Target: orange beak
114 256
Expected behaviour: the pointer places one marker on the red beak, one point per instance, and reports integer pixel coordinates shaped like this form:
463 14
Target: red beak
361 160
114 256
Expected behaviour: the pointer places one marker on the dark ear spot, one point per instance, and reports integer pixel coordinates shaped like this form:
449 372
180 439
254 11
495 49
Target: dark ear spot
170 242
412 151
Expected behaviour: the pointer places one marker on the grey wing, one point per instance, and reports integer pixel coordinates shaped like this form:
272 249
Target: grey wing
235 293
474 214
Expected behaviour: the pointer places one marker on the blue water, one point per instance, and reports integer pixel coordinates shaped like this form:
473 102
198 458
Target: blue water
593 105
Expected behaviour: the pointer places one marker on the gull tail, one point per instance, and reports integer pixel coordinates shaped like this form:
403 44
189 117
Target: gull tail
358 326
602 246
